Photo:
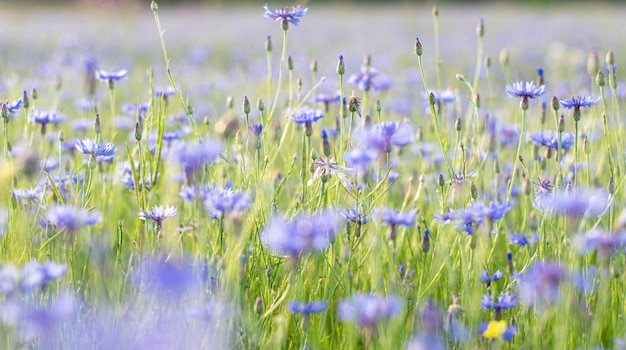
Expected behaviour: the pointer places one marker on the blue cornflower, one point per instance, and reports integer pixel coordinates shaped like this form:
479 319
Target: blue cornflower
579 101
128 180
285 15
525 89
9 279
256 129
366 310
311 307
221 201
326 100
550 139
496 211
486 279
360 158
305 232
325 167
307 116
135 109
70 218
540 284
28 196
365 79
165 92
522 240
103 152
35 274
441 97
351 215
166 277
158 214
14 106
397 218
576 203
606 243
47 116
503 302
382 137
193 156
111 76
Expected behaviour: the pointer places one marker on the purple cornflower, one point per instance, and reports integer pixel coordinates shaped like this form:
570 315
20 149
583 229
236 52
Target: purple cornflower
383 136
486 279
397 218
158 214
360 158
576 203
256 129
14 106
541 283
325 167
47 116
351 215
103 152
128 179
135 109
166 277
164 93
193 156
326 100
365 79
441 97
366 310
70 218
36 275
503 302
285 15
111 76
579 101
221 201
550 139
522 240
524 90
307 116
311 307
29 196
305 232
606 243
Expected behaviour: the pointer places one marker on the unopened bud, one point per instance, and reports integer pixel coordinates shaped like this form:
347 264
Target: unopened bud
480 28
418 47
246 105
97 127
268 44
473 191
504 57
341 66
314 66
258 306
562 124
153 6
592 63
488 61
586 145
289 63
458 124
138 131
260 105
600 79
440 180
26 100
610 58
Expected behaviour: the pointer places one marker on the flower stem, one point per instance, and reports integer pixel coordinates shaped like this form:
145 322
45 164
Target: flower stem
280 78
519 148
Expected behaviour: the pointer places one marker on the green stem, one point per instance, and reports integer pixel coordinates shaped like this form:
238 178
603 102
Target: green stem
280 76
436 121
519 149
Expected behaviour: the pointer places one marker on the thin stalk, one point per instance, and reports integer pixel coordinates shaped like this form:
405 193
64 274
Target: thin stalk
280 76
519 149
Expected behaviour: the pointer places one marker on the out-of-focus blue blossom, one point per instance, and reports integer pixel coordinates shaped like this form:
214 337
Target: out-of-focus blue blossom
70 218
468 219
525 89
365 79
169 278
305 232
47 116
36 275
42 322
540 284
311 307
285 15
165 92
193 156
325 168
135 109
9 279
606 243
110 76
14 106
360 158
550 139
351 215
221 201
441 97
396 218
367 310
576 203
522 240
127 176
382 137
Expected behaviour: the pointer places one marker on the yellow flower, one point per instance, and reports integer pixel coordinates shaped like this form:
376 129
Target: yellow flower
495 330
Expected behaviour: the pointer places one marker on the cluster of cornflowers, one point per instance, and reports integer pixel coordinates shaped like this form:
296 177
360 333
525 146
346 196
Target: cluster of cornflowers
469 219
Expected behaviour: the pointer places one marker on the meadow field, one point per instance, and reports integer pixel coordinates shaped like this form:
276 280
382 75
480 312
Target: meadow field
313 177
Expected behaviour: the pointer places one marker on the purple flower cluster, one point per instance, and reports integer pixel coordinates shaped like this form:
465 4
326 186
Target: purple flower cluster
367 310
467 220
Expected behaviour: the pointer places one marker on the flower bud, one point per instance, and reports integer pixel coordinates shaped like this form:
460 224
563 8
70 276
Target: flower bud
246 105
473 191
440 180
97 127
504 57
435 11
153 6
138 131
539 76
480 28
268 44
314 66
26 100
426 241
600 80
477 100
341 66
592 63
432 99
458 124
260 105
562 124
378 106
258 306
487 61
555 103
610 58
35 94
230 102
418 47
586 145
289 63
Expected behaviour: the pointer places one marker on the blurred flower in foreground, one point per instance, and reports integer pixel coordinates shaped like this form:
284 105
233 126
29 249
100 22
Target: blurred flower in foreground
111 76
69 218
158 214
305 232
366 310
576 203
550 139
312 307
541 283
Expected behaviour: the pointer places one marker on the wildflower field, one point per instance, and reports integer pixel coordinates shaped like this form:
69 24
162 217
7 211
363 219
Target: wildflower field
314 177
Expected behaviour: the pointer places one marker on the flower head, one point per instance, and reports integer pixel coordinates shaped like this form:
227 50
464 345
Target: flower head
366 310
352 216
105 151
285 15
312 307
397 218
67 217
307 116
549 139
579 101
325 167
110 76
158 214
305 232
221 201
541 283
35 274
525 89
588 203
503 302
47 116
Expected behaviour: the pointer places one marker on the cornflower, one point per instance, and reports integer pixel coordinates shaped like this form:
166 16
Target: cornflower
285 15
111 76
158 214
395 218
325 167
70 219
525 90
367 310
103 152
